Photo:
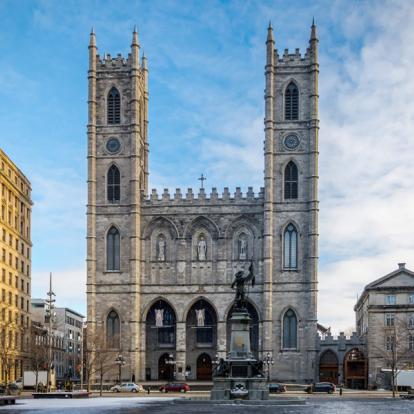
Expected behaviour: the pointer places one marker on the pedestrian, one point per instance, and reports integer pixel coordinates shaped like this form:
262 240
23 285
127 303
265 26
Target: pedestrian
148 389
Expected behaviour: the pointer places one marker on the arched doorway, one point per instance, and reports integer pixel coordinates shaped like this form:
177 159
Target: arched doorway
328 367
355 369
204 368
160 340
254 329
165 370
201 337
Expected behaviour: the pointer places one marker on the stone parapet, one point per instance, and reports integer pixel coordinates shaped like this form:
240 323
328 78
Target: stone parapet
226 198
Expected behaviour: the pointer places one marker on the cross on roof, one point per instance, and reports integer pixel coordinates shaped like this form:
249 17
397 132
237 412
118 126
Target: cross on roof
202 179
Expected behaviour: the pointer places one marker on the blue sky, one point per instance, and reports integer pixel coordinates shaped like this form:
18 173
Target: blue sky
206 64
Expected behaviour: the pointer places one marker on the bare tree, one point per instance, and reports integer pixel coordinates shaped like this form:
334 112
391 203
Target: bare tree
98 358
9 345
398 350
38 350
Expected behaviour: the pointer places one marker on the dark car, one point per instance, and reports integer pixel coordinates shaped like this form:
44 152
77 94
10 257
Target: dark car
321 387
276 388
175 387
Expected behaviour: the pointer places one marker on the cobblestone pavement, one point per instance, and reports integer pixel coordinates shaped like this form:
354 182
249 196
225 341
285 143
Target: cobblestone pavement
137 405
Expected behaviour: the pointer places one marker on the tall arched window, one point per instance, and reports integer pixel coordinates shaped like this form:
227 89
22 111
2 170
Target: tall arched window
290 247
114 106
291 102
112 249
112 330
291 181
114 184
290 325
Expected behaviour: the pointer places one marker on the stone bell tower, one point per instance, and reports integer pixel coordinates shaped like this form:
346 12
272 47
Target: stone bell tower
117 177
291 208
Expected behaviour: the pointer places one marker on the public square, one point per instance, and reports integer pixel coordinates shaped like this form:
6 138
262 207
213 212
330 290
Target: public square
181 405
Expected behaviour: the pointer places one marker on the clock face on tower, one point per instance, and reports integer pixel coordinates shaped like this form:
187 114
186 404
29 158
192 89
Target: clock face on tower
291 142
113 145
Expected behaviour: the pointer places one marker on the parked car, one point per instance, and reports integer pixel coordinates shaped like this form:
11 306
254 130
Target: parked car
12 388
277 388
321 387
175 387
127 387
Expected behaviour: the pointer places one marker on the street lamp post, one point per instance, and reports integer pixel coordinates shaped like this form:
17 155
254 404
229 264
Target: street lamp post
268 360
121 362
170 361
50 312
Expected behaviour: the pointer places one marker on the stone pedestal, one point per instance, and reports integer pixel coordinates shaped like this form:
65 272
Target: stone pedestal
240 375
227 389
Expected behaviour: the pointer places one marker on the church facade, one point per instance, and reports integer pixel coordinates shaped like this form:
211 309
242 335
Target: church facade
160 266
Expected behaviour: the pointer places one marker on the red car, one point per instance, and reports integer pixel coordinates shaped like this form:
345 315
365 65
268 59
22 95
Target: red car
175 387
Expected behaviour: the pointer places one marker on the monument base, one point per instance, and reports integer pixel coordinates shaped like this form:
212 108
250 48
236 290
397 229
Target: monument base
235 388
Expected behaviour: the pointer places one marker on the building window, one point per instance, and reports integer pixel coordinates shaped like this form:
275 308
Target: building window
114 184
113 249
290 330
291 181
166 331
411 320
389 343
390 300
411 342
112 330
114 107
389 319
411 298
290 247
291 102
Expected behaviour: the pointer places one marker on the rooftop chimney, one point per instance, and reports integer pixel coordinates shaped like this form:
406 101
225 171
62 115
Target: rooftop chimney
401 265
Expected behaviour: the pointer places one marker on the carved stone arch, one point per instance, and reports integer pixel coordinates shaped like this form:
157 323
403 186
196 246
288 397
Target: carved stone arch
187 308
162 222
248 227
288 81
108 89
229 309
202 232
152 302
285 309
294 100
159 239
328 366
202 221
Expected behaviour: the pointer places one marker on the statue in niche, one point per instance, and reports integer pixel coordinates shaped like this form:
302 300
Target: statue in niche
201 248
159 318
161 249
200 315
243 248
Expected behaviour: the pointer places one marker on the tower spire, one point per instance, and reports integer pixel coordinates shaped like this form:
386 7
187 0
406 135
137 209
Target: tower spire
135 48
92 38
313 31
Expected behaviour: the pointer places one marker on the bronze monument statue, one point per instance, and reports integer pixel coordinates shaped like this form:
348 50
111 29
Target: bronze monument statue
241 279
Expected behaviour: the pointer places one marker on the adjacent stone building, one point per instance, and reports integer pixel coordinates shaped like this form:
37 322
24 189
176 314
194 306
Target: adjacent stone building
160 265
15 268
385 322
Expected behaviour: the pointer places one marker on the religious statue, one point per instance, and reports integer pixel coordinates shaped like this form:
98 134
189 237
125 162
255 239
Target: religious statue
201 249
241 278
159 318
200 315
242 249
161 249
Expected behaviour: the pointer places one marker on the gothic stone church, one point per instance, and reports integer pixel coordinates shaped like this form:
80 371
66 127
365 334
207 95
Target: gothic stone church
159 266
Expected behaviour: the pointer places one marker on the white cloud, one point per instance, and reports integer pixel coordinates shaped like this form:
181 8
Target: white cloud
366 174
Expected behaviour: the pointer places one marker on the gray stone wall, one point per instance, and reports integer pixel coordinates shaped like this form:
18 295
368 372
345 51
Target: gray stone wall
174 224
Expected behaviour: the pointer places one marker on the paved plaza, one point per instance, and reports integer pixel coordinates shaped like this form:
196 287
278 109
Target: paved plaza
172 405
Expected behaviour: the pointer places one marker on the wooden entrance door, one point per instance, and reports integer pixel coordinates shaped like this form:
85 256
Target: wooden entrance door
328 367
204 368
